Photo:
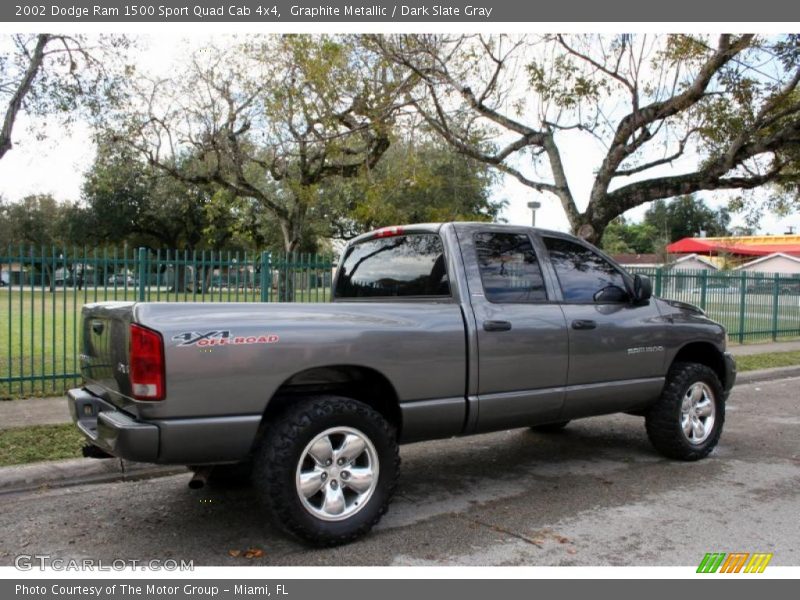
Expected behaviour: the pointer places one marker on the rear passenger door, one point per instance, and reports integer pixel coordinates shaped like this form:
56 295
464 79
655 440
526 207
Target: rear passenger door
616 347
522 337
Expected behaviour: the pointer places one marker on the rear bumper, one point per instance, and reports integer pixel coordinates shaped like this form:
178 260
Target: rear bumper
730 372
111 430
192 441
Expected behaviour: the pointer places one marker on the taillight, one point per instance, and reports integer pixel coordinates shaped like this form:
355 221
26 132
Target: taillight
389 232
146 363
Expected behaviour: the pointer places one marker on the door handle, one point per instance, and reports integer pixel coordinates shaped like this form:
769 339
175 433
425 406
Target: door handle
583 324
496 326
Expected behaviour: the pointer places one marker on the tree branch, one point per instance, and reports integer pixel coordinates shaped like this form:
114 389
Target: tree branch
25 84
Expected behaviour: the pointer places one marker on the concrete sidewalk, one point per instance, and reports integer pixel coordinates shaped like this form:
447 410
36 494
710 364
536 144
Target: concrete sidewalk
763 348
52 411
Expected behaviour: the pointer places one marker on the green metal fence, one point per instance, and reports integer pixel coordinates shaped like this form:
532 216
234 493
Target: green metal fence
751 306
42 291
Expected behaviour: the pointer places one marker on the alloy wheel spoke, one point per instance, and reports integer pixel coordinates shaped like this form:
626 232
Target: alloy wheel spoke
351 448
334 500
704 408
360 479
687 427
698 429
321 451
311 482
697 393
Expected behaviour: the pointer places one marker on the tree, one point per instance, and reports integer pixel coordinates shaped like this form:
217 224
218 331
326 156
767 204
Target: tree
36 221
415 182
47 74
621 237
271 119
721 112
130 199
686 217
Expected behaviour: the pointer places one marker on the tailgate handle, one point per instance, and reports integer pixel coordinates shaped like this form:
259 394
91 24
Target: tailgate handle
98 326
496 326
583 324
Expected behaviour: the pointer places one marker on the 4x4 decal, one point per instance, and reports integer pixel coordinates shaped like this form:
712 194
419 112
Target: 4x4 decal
221 337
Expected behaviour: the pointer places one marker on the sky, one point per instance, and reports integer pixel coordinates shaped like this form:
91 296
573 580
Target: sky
56 164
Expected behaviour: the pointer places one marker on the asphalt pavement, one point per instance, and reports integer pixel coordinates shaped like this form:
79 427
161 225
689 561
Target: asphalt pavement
596 494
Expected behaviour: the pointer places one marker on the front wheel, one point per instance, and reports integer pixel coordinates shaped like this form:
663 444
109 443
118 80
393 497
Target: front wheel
686 421
327 469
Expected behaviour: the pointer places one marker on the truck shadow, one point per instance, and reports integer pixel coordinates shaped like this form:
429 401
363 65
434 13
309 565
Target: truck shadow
596 462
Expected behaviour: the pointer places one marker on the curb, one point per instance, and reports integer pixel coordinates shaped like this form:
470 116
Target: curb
767 374
79 471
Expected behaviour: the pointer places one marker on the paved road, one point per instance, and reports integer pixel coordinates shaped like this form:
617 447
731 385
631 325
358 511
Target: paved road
595 495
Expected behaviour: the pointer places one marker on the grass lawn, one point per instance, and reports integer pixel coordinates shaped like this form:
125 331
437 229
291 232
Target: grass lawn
767 360
39 442
39 331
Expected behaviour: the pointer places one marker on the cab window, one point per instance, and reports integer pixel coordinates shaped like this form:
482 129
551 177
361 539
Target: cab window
584 275
510 272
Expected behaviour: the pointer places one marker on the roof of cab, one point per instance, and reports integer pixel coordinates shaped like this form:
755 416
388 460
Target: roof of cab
436 227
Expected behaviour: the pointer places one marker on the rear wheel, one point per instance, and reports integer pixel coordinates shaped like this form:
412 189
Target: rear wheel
686 421
327 469
550 427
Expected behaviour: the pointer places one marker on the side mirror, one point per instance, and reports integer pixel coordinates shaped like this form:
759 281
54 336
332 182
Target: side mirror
642 288
611 293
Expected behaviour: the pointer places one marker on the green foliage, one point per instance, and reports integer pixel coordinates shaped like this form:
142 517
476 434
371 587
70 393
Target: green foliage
39 220
414 183
686 216
621 237
133 201
59 77
665 222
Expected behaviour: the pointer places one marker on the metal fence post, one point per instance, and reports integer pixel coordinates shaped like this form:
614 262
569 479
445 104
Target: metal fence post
142 273
659 274
265 281
742 304
703 289
775 300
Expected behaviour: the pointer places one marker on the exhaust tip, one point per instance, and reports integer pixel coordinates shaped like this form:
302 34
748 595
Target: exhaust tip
200 478
92 451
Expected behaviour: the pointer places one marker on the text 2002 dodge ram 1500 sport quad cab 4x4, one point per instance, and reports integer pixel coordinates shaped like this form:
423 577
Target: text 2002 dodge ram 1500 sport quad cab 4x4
434 331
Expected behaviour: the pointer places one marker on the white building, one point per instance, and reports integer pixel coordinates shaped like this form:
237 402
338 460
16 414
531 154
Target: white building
773 263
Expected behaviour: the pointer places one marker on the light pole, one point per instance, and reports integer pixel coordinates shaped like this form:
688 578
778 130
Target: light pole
533 206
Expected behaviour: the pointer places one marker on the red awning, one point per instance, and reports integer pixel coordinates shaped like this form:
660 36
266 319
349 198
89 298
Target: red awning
712 246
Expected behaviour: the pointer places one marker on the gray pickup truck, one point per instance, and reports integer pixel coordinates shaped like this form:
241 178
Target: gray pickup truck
435 330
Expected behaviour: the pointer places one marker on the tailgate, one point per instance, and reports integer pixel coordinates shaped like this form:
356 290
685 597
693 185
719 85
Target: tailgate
104 355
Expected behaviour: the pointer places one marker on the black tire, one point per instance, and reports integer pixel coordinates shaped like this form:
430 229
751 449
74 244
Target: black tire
284 449
550 427
663 420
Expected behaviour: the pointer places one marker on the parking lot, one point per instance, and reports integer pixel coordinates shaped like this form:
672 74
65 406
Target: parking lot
596 494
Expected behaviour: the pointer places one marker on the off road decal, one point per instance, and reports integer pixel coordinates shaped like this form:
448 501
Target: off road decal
221 337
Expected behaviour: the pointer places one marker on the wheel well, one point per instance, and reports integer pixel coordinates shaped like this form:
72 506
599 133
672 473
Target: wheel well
703 353
360 383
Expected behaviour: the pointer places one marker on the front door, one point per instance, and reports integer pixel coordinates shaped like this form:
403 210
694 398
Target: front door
616 346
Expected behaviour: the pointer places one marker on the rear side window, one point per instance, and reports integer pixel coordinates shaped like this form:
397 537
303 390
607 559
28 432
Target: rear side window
583 274
398 266
509 270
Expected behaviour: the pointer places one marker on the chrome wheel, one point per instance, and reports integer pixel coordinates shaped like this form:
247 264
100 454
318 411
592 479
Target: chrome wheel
698 413
337 473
